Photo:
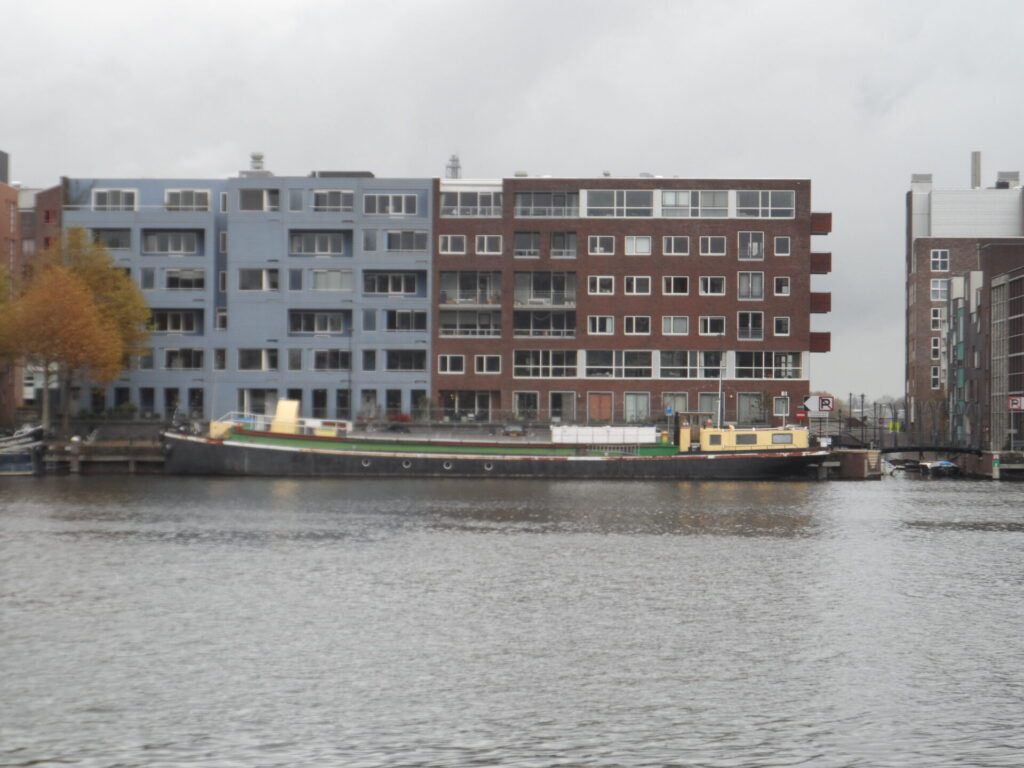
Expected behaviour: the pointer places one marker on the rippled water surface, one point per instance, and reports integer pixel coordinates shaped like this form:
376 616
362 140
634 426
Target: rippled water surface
193 622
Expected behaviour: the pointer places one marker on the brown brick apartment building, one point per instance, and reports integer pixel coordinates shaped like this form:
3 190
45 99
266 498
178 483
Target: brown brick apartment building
623 299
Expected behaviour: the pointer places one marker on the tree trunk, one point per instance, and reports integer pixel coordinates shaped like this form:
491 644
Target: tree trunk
46 397
65 405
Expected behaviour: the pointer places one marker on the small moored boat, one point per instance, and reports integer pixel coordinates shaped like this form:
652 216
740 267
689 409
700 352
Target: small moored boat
21 453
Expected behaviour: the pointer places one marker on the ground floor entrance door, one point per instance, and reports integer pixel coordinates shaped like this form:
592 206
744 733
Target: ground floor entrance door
599 407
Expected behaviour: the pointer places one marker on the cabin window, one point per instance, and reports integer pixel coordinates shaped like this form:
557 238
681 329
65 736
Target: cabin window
747 439
782 438
714 439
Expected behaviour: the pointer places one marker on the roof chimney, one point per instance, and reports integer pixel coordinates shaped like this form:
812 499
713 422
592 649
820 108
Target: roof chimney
975 170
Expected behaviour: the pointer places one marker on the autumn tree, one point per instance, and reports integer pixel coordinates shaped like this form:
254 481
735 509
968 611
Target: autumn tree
79 317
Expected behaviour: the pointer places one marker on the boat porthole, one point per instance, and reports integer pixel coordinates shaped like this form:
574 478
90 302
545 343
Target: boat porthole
488 466
447 465
406 464
365 462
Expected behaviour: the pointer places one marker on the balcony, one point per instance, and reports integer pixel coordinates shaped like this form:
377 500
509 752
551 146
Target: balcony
540 298
480 297
821 303
821 263
821 341
547 212
471 211
821 223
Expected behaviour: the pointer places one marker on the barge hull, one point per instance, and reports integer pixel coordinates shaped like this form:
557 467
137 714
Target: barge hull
187 455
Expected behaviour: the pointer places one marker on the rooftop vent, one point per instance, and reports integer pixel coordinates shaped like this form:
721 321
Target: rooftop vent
454 168
521 174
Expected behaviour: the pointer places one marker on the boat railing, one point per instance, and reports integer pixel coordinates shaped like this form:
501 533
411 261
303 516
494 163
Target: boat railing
299 426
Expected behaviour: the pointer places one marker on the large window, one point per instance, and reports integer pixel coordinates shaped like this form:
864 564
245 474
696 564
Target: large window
257 359
940 290
768 365
333 200
938 315
940 260
389 283
751 285
544 363
169 242
489 364
563 245
183 359
175 321
619 363
707 204
406 240
259 200
405 360
526 245
619 202
751 246
332 280
682 364
113 239
548 204
332 360
257 280
317 244
406 320
113 199
468 322
783 246
186 279
750 326
187 199
451 363
766 204
471 203
317 322
391 205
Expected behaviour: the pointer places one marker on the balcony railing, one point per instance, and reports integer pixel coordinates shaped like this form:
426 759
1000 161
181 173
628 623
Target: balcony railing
545 299
470 332
526 253
547 211
471 211
563 253
471 297
564 333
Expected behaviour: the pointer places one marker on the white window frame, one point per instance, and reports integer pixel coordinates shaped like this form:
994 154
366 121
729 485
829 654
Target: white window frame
120 205
705 323
595 283
669 243
398 203
346 201
936 377
638 245
781 325
939 260
936 347
705 285
739 326
482 243
600 325
668 323
451 244
480 365
938 318
750 253
451 364
940 289
630 322
707 241
668 287
751 279
596 243
631 285
782 286
203 194
783 245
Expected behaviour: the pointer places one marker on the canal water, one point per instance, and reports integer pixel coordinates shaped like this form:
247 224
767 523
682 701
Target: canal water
150 621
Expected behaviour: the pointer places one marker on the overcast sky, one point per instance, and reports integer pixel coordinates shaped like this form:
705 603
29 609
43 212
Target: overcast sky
855 96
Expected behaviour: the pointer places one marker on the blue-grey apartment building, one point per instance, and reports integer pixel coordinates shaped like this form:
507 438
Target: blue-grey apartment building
314 288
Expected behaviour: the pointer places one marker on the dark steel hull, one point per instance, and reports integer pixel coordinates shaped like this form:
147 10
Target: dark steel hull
187 455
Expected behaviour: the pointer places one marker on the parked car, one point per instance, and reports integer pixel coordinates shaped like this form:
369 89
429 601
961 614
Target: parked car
514 430
398 428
